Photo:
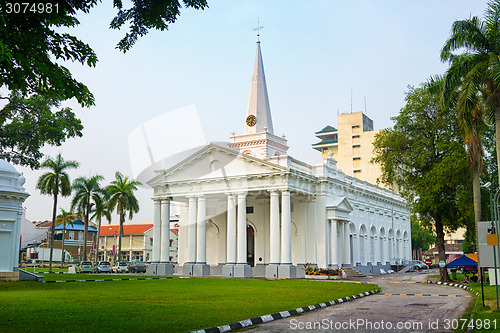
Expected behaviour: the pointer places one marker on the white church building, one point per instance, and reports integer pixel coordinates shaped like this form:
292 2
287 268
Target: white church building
249 209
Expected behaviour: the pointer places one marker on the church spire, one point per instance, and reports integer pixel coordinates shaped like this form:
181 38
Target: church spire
258 112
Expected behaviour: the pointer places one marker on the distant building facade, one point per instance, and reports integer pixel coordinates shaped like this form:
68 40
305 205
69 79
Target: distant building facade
73 235
137 241
351 145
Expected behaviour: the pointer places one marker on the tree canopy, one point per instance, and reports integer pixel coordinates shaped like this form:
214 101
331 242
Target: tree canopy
425 156
32 48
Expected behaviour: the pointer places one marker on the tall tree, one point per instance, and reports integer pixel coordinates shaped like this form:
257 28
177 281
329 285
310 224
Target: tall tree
88 192
424 155
55 182
65 218
100 211
35 39
469 106
121 196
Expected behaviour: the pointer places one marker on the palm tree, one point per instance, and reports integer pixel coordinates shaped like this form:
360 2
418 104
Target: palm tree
87 193
121 192
64 218
98 212
55 182
476 71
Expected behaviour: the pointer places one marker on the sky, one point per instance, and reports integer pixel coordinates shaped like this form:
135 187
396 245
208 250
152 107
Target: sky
320 57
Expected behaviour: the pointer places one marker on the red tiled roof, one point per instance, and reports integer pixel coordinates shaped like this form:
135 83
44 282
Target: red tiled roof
128 229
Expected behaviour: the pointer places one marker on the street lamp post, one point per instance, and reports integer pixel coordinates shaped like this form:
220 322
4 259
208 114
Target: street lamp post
494 219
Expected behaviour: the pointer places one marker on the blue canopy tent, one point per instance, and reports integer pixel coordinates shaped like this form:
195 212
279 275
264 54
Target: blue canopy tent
463 261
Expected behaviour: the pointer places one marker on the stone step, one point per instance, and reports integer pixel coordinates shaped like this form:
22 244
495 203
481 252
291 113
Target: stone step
352 273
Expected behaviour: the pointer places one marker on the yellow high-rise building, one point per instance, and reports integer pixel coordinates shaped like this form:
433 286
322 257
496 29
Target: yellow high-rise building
351 145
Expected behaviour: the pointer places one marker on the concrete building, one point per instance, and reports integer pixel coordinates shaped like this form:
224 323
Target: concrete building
249 209
351 144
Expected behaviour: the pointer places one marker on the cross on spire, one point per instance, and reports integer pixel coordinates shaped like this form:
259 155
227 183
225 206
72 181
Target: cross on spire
258 29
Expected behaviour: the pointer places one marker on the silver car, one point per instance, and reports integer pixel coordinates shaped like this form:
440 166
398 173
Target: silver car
103 267
85 267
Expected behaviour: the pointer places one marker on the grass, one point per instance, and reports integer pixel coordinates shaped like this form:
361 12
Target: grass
478 313
172 305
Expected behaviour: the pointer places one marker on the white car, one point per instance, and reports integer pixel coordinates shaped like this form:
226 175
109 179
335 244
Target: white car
121 267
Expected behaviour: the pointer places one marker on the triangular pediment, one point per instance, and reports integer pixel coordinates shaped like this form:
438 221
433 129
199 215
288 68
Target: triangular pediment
214 162
340 203
338 208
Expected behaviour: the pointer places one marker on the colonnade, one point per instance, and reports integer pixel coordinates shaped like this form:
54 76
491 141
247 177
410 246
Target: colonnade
363 249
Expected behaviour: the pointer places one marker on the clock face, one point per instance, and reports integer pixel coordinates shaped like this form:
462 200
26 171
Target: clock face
251 120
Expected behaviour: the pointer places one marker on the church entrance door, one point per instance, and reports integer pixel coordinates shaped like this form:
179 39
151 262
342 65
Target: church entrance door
250 246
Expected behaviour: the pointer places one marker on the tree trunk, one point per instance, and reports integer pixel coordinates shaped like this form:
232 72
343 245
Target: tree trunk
476 190
497 137
62 254
97 242
52 231
443 271
86 229
120 235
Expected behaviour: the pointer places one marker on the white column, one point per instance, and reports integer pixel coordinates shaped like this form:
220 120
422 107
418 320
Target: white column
165 230
347 244
286 229
355 250
333 243
340 244
311 231
242 229
156 231
231 229
274 229
191 231
201 235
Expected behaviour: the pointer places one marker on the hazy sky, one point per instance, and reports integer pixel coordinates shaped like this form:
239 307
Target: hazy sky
315 53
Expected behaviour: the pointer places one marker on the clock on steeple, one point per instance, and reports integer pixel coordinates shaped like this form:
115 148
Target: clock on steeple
251 120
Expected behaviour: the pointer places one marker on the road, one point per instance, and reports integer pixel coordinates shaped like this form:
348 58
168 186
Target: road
404 305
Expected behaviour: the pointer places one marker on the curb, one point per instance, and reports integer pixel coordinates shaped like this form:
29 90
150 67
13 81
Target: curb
284 314
458 286
102 280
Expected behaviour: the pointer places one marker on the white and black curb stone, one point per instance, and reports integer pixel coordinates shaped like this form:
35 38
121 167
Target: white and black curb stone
458 286
284 314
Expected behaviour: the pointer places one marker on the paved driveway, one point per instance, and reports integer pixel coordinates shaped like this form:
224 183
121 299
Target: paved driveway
404 305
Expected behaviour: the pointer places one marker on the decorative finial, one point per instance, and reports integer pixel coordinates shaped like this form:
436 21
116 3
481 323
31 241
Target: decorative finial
258 30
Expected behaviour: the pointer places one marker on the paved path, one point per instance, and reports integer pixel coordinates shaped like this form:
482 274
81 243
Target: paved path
404 305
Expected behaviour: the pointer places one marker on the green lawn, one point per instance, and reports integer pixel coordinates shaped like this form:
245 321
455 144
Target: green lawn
488 312
171 305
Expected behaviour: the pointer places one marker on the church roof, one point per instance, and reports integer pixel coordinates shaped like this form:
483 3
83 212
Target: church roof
327 129
258 102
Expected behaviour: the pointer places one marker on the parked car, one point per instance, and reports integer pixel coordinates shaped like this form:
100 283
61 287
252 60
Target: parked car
103 267
137 266
418 265
85 267
121 267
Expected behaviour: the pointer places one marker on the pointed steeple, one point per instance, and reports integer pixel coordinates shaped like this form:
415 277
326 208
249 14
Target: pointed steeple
258 112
